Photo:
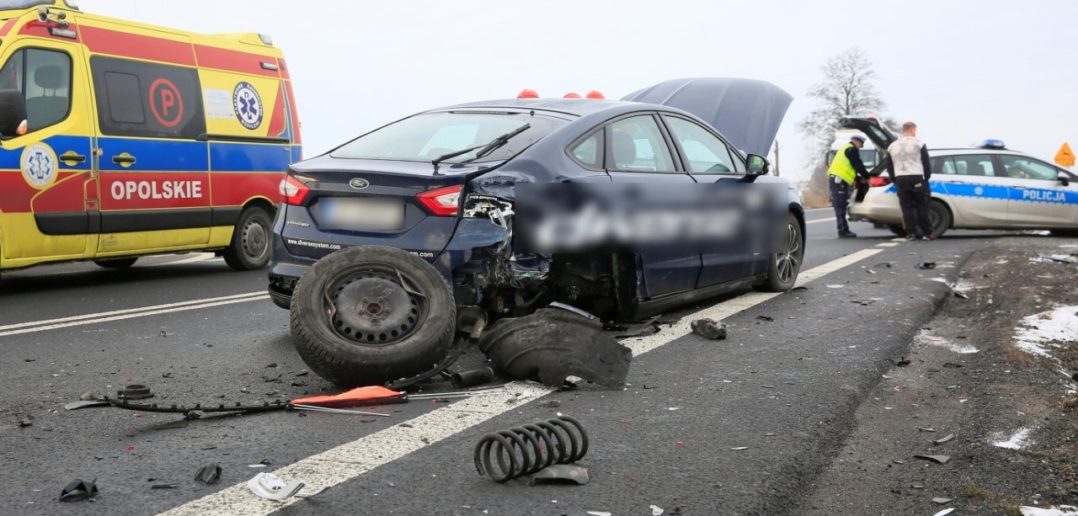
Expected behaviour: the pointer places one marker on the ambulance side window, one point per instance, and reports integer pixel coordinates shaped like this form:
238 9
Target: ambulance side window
44 79
148 100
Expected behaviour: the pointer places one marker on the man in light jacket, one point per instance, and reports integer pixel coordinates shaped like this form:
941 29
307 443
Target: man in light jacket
910 170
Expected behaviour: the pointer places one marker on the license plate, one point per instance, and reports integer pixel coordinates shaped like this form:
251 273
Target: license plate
362 214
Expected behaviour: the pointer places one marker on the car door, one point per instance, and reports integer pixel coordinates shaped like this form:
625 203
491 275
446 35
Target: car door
709 160
974 188
1037 197
638 152
47 184
155 189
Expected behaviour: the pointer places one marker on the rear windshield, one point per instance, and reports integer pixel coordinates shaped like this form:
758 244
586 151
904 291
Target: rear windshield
427 136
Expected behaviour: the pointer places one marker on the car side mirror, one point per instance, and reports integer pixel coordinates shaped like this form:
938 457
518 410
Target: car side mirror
12 113
1064 179
757 165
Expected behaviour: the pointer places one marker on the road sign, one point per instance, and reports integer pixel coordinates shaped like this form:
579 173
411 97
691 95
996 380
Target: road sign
1065 156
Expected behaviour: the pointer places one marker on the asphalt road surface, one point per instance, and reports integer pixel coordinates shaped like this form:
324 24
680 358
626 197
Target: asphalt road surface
704 427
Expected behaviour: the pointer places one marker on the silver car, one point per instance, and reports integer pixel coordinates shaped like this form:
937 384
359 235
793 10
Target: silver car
989 187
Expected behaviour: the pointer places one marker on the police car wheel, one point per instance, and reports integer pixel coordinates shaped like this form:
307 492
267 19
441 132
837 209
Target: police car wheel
368 315
785 262
939 217
250 247
119 263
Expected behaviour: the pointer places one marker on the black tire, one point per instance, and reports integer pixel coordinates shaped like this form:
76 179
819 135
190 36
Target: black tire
118 263
939 217
372 343
281 300
898 230
1065 233
250 247
785 262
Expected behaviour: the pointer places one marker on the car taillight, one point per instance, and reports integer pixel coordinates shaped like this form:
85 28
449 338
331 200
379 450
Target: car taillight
293 191
442 202
879 181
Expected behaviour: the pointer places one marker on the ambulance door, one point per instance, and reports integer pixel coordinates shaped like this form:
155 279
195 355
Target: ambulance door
154 164
46 179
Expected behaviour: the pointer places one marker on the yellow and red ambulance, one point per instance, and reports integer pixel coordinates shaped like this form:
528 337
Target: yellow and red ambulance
119 139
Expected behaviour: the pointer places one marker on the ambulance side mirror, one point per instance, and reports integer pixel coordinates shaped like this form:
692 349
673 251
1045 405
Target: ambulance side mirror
12 114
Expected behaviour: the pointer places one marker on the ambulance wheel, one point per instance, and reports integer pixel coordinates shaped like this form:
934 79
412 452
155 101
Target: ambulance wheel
897 229
119 263
939 217
250 247
368 315
785 262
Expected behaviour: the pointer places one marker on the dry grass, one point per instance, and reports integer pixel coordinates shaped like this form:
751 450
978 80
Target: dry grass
1019 357
972 491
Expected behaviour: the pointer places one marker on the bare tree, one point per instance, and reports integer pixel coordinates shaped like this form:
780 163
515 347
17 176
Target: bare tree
848 88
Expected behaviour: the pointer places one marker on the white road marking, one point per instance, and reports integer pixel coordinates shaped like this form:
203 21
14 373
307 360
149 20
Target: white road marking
196 258
350 460
130 313
832 219
888 244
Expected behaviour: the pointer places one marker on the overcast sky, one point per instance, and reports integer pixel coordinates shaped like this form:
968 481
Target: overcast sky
964 70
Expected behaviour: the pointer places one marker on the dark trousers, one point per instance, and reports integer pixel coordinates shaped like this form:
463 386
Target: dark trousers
840 200
913 195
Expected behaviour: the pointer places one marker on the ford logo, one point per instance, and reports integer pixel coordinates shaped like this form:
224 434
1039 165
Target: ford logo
359 183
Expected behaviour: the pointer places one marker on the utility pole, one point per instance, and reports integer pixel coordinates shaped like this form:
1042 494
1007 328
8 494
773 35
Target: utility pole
776 158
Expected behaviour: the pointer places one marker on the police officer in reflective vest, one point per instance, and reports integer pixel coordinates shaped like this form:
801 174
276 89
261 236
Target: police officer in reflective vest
846 169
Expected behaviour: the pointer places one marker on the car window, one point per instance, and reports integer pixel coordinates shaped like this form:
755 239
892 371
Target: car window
943 166
428 136
589 151
143 99
974 165
1022 167
44 79
637 145
703 151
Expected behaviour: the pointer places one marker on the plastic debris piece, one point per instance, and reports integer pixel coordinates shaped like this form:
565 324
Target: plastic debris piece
960 295
766 318
209 474
926 266
945 512
938 459
709 329
78 490
561 473
942 501
599 513
926 429
917 486
76 405
656 510
739 448
164 486
903 362
270 487
945 439
134 392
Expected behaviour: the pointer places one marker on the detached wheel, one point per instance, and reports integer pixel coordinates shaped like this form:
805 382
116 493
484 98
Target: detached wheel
368 315
785 262
939 217
250 247
898 230
119 263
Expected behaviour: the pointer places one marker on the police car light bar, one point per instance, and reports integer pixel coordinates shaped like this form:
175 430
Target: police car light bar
991 144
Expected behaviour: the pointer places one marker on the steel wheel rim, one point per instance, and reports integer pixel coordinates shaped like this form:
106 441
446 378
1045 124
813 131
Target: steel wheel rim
788 261
374 305
255 240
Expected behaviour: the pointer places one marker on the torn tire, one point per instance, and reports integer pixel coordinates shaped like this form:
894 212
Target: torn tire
369 315
552 344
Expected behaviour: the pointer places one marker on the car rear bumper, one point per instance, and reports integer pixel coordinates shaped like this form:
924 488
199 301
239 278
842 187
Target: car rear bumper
880 206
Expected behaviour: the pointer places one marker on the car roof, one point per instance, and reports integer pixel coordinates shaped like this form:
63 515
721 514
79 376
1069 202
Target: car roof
575 107
972 150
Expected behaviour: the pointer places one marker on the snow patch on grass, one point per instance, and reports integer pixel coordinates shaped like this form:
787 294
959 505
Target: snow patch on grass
1062 510
1019 440
1038 334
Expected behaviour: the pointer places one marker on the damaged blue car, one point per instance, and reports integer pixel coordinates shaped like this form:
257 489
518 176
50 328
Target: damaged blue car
394 247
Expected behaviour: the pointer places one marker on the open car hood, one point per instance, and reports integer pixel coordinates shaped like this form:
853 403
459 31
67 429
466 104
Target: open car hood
747 112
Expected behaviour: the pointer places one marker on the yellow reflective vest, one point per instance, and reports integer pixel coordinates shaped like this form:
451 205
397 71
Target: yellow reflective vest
841 166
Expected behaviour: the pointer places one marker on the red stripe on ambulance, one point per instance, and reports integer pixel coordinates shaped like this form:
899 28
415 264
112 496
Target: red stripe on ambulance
124 44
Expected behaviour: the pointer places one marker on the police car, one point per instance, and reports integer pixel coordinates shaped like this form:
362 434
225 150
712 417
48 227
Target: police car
986 187
383 242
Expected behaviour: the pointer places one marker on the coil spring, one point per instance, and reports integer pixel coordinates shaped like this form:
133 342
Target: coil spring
527 449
